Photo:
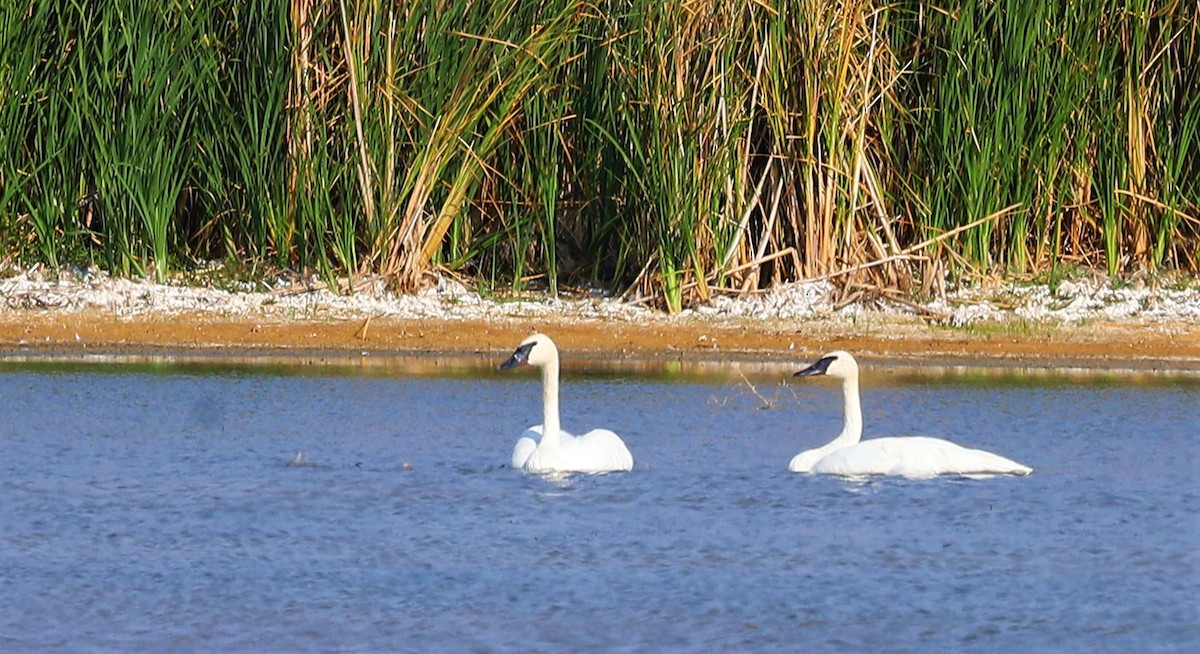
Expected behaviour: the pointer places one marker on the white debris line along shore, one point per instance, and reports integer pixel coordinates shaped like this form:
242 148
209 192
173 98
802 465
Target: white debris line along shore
1072 301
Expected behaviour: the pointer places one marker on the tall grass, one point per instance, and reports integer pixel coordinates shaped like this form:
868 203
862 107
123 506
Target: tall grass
1056 107
672 150
39 130
245 129
680 81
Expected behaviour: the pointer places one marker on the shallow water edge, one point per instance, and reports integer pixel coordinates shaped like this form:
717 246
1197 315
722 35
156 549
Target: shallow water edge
159 506
732 368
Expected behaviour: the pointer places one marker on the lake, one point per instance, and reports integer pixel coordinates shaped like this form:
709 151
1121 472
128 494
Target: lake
158 507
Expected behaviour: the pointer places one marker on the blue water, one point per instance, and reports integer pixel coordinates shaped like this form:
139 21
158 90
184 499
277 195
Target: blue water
157 511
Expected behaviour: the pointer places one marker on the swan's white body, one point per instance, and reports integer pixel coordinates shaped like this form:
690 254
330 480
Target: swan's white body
906 456
547 448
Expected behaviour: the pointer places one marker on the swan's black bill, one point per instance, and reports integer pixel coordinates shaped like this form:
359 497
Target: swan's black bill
518 358
818 368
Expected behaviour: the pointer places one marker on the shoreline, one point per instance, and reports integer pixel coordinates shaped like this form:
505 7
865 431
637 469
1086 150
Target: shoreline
1099 346
1091 324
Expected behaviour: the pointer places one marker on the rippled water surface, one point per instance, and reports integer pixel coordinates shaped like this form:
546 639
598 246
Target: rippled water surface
154 509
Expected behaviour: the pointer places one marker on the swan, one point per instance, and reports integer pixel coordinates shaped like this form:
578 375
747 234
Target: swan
914 457
547 447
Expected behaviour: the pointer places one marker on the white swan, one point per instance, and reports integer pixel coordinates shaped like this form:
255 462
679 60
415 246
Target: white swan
908 456
546 447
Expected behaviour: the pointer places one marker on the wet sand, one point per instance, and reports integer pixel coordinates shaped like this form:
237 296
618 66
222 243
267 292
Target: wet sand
1116 345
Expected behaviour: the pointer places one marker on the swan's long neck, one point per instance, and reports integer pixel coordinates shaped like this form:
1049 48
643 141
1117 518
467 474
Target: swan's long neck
550 424
852 428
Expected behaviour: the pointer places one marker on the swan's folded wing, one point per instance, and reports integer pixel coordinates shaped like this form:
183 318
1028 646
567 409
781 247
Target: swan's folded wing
915 457
936 456
987 463
601 450
869 458
525 446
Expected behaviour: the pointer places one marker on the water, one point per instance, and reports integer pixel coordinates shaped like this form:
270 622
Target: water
156 510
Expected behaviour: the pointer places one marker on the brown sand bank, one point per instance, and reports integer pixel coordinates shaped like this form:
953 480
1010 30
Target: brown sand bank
1118 345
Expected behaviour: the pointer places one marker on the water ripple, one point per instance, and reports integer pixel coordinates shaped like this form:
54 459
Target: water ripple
167 513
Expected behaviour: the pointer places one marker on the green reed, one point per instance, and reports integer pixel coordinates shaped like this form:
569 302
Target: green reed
38 191
137 115
1176 124
242 137
674 149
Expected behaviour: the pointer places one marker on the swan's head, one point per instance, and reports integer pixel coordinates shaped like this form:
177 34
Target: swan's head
837 364
537 350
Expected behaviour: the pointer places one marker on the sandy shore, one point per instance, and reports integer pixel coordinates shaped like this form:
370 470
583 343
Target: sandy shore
90 313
